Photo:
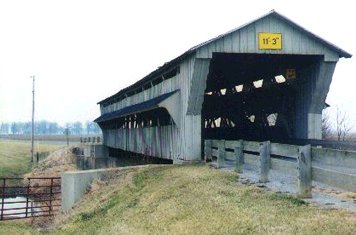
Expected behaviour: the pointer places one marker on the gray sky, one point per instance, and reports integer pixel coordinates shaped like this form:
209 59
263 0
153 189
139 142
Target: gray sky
82 51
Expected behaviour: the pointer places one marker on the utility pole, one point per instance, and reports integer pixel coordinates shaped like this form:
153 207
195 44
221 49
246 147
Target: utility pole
66 132
33 116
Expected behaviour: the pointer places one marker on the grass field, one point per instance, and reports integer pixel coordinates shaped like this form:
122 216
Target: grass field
15 156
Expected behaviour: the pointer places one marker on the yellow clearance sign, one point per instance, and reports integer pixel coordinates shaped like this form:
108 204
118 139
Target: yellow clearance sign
269 41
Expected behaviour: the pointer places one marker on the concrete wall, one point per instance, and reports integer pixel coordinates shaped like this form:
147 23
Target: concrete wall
330 166
97 150
76 183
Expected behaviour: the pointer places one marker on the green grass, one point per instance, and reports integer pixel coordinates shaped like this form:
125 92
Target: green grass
197 200
17 227
191 200
15 156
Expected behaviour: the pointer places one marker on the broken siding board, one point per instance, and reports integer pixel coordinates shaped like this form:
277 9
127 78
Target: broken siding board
197 88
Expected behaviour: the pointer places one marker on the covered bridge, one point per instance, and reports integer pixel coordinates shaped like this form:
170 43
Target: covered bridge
266 80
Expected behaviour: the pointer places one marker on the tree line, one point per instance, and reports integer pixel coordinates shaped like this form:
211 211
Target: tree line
49 128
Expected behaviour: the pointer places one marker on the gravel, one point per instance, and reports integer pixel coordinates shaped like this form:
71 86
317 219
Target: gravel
323 195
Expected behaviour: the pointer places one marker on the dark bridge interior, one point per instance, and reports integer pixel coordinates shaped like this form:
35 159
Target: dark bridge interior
253 96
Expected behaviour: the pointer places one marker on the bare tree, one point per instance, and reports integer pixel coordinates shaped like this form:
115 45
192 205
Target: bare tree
343 126
326 128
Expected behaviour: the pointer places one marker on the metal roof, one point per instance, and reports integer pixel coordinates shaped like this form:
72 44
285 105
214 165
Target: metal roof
144 106
168 65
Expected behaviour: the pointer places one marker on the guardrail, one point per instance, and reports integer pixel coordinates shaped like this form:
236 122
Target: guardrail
334 167
29 197
90 140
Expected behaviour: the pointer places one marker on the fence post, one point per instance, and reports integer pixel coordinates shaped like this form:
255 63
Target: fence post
27 195
50 197
208 150
265 159
304 172
3 198
221 157
239 156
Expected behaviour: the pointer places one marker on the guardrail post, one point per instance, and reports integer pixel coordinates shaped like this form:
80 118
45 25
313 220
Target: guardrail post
208 150
239 156
304 172
221 157
265 159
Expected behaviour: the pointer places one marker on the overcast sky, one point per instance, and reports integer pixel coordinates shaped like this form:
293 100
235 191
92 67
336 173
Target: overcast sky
82 51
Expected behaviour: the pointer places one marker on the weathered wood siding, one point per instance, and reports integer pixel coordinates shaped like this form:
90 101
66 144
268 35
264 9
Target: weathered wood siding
153 141
162 141
157 90
245 40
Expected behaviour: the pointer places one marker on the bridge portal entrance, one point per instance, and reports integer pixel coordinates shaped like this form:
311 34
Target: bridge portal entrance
256 96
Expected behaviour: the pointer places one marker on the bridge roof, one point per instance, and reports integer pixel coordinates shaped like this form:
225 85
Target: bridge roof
137 108
171 64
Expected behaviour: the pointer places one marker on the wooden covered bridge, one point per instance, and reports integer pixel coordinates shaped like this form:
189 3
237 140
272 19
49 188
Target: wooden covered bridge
266 80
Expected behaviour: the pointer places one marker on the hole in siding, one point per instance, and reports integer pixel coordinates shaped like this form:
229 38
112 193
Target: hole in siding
258 83
217 122
280 78
272 119
239 88
252 118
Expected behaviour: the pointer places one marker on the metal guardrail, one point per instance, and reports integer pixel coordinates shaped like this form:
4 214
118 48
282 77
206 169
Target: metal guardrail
33 197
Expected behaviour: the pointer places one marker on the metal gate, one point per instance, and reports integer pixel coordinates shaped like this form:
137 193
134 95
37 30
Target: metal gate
29 197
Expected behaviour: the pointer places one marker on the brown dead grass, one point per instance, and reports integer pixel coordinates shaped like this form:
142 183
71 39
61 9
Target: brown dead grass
347 196
99 192
54 165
